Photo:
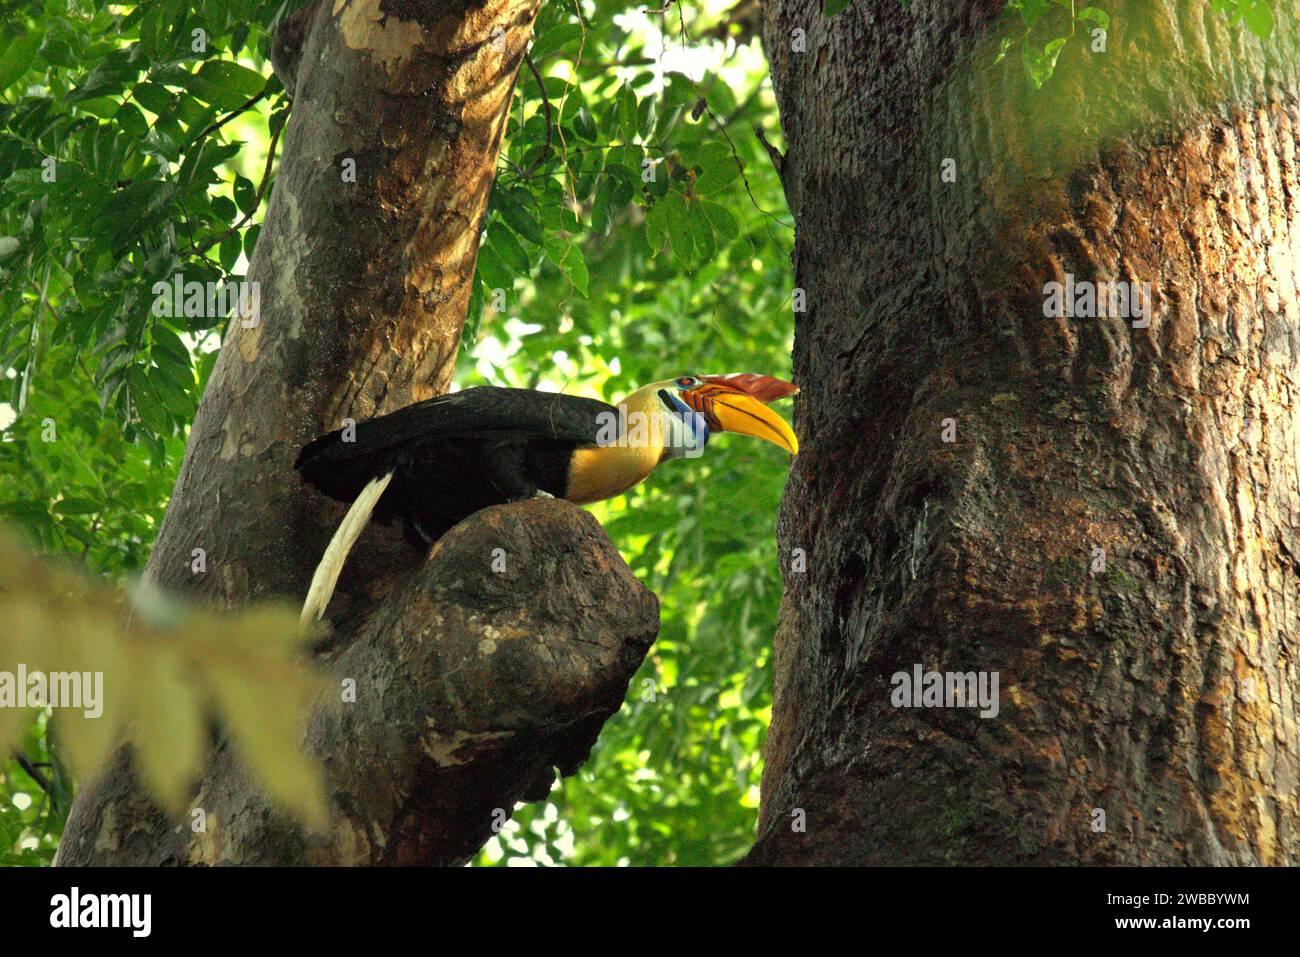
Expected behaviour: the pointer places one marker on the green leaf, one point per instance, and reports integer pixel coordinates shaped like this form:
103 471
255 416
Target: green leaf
154 97
145 401
233 76
276 123
493 270
58 53
701 232
149 29
174 373
584 125
1258 15
569 258
167 343
832 7
656 227
173 385
1031 10
719 169
601 213
77 506
679 227
647 114
512 254
519 219
723 223
628 157
223 84
245 194
169 733
266 737
1096 15
627 114
621 183
554 38
17 57
473 314
132 121
226 211
1041 64
229 250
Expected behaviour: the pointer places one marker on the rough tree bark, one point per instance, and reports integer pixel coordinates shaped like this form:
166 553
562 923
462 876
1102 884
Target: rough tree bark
1162 690
471 685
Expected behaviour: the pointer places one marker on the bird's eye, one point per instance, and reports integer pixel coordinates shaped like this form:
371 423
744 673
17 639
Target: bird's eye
688 382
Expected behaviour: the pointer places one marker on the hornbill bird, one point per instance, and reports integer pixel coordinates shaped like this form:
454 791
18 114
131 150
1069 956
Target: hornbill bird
436 462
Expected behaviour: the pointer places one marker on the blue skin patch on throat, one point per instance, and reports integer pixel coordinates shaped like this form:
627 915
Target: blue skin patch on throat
693 435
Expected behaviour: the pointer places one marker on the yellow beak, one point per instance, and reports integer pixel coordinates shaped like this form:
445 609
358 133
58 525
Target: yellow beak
738 412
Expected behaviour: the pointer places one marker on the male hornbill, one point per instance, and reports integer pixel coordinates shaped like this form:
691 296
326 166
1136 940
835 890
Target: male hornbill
436 462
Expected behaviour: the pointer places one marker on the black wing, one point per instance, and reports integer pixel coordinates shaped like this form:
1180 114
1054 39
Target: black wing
459 425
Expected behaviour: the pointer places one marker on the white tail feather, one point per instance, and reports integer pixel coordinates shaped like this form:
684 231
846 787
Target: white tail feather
331 563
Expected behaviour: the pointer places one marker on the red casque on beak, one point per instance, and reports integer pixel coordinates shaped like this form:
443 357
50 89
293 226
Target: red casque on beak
738 403
764 388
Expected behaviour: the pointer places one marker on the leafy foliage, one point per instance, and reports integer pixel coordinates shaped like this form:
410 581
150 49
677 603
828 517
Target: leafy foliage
33 802
1038 56
124 160
1257 15
164 673
1048 25
117 178
652 241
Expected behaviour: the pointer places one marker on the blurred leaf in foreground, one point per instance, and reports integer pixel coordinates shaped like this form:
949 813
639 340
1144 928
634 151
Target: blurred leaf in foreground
158 672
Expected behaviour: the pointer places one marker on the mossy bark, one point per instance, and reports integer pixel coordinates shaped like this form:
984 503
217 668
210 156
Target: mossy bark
1148 704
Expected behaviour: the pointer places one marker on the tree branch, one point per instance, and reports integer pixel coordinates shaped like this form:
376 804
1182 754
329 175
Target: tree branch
200 249
550 124
243 108
460 692
34 772
471 684
778 160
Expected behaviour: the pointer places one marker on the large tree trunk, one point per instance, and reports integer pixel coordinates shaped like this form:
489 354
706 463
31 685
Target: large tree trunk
1160 689
364 287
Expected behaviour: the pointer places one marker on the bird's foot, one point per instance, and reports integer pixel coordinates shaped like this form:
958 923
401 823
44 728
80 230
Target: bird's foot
540 493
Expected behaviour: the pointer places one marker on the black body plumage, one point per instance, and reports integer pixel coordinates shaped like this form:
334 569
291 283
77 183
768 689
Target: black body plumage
456 454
